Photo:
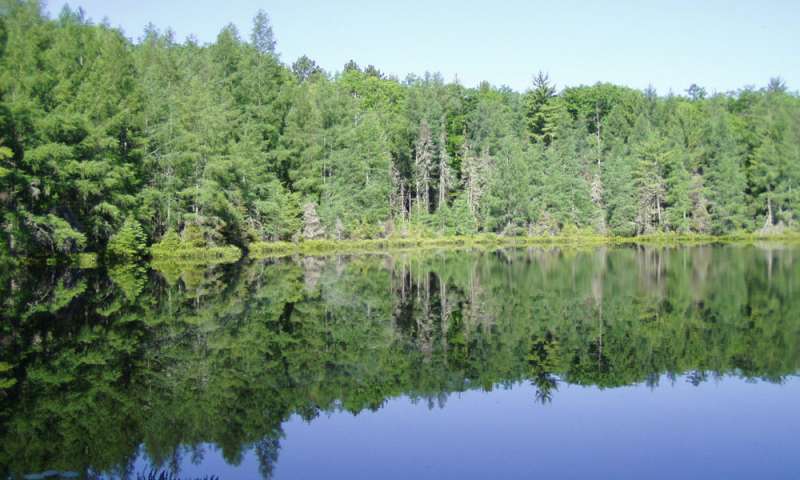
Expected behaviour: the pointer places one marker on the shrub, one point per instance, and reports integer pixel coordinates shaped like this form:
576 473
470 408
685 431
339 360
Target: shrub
129 242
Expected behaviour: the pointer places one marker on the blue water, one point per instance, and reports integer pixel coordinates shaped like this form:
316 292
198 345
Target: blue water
606 363
726 428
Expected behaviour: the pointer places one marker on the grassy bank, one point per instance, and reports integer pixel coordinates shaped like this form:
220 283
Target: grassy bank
315 247
188 254
191 248
180 255
697 239
319 247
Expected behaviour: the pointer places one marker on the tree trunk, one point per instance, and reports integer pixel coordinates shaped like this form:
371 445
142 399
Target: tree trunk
769 221
658 210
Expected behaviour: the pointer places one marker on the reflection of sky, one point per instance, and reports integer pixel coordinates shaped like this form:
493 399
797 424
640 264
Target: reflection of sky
720 429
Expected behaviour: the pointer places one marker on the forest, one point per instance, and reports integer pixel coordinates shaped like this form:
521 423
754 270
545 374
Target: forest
110 143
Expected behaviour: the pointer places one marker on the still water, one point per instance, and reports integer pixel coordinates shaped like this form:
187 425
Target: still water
634 362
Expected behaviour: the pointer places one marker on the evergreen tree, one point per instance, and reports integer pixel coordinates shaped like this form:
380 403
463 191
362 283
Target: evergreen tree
568 173
129 243
536 113
357 190
774 173
678 202
726 180
701 219
262 37
508 201
304 68
651 156
621 196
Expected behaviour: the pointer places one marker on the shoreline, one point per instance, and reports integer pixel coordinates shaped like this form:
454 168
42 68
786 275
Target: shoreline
260 250
265 250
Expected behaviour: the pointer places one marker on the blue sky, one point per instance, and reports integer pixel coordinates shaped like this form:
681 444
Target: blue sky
720 45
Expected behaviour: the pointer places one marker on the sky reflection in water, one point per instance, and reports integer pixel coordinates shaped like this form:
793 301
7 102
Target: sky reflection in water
635 362
729 428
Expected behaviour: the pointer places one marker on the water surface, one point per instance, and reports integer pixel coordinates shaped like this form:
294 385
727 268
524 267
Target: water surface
556 363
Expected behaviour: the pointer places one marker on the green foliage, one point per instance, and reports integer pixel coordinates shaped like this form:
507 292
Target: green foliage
539 110
5 371
129 243
191 246
130 278
192 236
54 233
95 129
513 186
86 260
678 202
455 219
358 185
225 354
621 197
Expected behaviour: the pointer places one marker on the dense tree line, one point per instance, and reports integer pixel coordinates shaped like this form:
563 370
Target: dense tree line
226 142
96 363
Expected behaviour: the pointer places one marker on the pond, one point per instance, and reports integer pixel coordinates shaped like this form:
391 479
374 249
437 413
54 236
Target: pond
626 362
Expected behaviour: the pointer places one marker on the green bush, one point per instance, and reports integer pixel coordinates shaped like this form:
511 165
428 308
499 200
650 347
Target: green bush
192 247
171 241
193 236
129 242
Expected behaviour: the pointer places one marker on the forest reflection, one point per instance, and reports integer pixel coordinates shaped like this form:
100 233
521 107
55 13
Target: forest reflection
98 367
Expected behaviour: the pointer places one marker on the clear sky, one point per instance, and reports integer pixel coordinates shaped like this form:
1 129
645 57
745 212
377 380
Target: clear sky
720 45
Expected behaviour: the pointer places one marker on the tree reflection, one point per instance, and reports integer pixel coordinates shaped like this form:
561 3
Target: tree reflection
267 453
97 366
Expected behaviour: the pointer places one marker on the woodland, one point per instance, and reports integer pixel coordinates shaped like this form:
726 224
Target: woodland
111 144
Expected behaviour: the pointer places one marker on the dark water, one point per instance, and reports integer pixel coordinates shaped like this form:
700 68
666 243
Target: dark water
542 363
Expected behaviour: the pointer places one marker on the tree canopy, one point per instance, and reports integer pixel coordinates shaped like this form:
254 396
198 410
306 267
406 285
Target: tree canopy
226 138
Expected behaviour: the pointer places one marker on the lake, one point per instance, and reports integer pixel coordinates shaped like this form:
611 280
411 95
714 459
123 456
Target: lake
603 362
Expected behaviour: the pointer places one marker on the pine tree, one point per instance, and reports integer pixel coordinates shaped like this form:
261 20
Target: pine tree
620 194
677 198
305 142
129 243
304 68
726 181
536 101
509 194
774 173
358 189
262 37
568 172
701 219
651 155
